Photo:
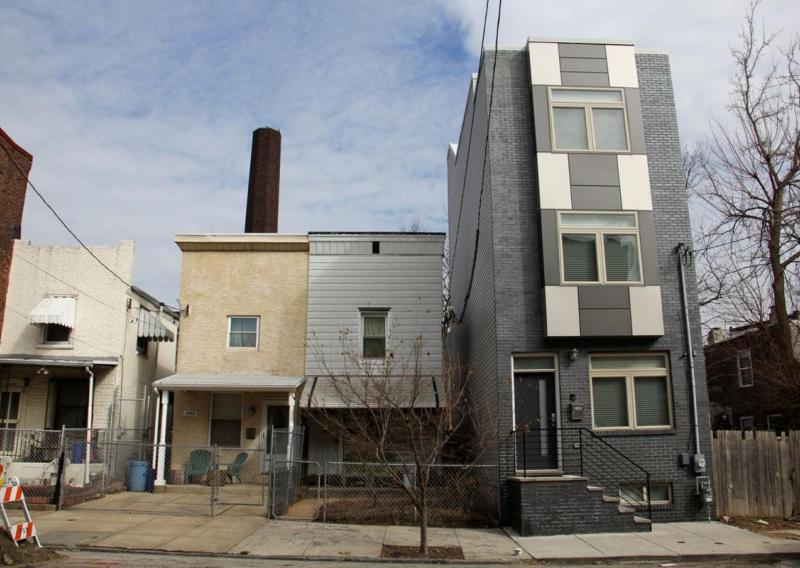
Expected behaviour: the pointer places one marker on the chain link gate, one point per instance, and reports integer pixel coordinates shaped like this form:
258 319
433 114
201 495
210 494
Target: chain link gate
296 490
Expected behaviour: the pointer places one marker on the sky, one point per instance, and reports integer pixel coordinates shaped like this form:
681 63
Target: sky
140 114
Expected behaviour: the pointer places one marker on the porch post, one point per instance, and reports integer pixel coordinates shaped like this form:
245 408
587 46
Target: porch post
291 427
162 440
155 430
87 458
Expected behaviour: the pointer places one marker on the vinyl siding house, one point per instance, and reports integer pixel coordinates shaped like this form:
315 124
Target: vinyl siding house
566 299
241 359
371 296
79 348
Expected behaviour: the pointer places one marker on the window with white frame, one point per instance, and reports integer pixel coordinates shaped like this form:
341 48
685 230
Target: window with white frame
744 364
599 248
243 332
226 420
55 334
635 494
588 120
630 392
373 334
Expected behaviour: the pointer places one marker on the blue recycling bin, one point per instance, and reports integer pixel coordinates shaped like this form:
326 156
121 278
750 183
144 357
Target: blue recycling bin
137 475
78 452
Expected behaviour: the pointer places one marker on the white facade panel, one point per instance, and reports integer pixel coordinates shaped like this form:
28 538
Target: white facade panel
621 66
561 311
634 182
554 186
647 316
545 64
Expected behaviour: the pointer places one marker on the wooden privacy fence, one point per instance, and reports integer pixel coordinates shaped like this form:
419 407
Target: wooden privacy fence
756 473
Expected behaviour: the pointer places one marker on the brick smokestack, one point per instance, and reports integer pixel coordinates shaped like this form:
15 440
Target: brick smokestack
15 164
265 176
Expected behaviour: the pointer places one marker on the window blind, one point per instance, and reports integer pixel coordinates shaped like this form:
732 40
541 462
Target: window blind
580 258
622 258
652 403
610 402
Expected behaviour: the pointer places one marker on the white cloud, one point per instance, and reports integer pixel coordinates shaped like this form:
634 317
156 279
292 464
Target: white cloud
140 114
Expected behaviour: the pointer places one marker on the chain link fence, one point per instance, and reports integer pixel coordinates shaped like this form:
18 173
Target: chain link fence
374 493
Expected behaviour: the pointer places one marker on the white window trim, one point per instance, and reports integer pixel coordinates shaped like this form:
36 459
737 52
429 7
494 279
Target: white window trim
258 334
587 113
15 421
630 391
211 417
384 313
741 418
599 246
739 368
44 344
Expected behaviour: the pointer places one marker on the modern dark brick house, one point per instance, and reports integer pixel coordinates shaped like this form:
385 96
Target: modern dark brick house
565 293
741 369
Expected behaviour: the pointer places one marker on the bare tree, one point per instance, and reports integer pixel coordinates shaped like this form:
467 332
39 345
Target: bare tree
398 414
749 251
415 226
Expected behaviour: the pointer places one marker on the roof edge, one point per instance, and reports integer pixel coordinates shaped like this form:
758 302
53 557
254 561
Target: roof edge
16 146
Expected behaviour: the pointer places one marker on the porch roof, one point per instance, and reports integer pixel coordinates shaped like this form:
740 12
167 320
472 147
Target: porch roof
229 382
403 392
64 361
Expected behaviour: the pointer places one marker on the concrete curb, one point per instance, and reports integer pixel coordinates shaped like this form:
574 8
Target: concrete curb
295 558
750 557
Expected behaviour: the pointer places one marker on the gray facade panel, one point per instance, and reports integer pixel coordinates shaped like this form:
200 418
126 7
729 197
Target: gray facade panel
583 64
606 322
649 242
575 79
593 169
594 51
550 260
604 297
599 197
541 118
633 104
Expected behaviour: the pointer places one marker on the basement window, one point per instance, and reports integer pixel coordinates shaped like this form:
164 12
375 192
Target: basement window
635 494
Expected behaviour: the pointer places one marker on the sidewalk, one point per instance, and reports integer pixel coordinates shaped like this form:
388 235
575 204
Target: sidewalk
243 531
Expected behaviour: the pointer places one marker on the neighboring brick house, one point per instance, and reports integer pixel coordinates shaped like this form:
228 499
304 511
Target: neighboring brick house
565 295
15 165
740 366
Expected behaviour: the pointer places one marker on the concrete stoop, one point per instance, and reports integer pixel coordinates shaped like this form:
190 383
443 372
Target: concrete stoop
557 505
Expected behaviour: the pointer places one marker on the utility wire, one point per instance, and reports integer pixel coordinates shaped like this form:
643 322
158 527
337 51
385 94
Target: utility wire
60 220
483 168
469 140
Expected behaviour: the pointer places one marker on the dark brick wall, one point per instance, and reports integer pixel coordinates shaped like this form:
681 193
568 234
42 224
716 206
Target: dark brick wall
12 201
515 265
564 507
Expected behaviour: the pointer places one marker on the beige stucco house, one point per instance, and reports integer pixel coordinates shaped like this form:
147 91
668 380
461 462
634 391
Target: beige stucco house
240 366
80 348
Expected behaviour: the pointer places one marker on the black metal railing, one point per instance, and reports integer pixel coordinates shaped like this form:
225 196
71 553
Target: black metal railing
580 451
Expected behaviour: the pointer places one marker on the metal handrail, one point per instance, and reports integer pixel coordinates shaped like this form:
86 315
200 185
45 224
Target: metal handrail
596 461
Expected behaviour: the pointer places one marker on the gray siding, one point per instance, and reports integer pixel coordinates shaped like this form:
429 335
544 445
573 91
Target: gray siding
344 279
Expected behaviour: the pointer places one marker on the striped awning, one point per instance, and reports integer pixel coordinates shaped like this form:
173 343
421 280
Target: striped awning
151 328
55 309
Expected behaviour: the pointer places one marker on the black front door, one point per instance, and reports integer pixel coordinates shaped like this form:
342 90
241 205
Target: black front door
535 415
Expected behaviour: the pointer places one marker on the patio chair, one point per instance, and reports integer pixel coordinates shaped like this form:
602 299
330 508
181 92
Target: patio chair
198 465
235 467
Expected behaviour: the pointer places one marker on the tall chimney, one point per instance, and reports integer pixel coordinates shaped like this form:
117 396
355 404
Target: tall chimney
15 164
265 176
